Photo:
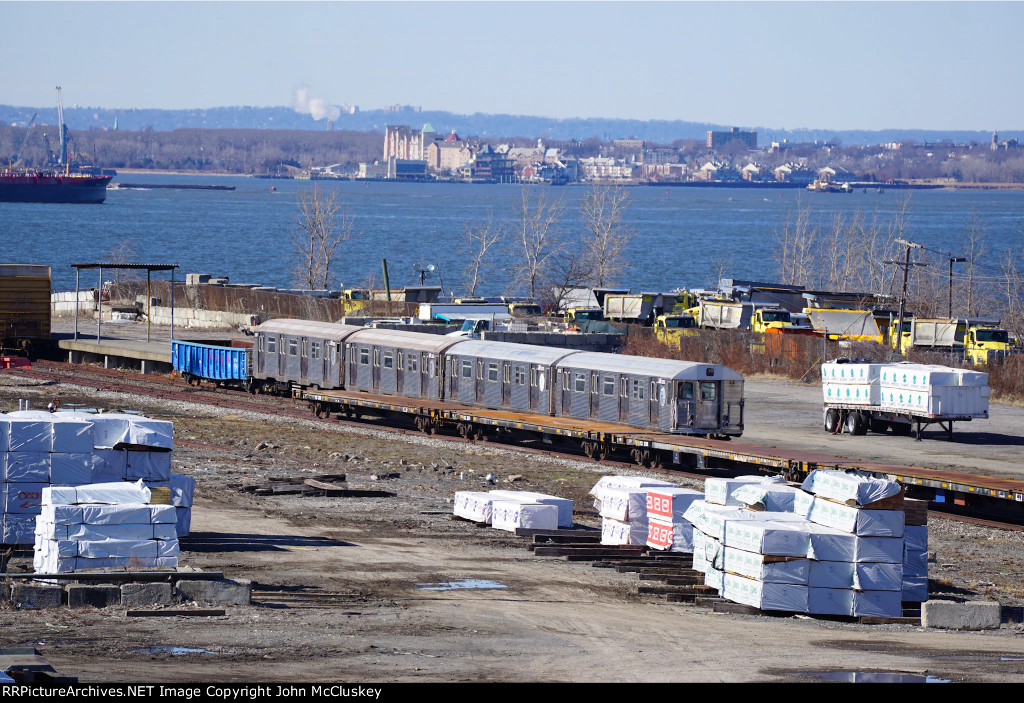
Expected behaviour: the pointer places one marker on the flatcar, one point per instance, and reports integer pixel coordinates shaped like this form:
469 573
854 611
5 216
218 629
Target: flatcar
661 394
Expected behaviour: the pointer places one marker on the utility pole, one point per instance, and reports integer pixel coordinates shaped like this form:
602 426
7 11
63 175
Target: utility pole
906 264
952 260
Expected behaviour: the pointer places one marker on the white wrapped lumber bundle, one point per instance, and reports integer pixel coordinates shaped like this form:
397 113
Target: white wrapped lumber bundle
618 532
510 515
103 526
624 482
718 491
854 373
564 505
852 394
771 494
473 505
854 488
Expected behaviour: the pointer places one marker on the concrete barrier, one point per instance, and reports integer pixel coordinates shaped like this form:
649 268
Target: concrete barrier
185 317
972 615
31 595
93 595
142 595
222 592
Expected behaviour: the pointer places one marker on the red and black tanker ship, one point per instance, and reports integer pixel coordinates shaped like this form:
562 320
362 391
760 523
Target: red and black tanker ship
51 187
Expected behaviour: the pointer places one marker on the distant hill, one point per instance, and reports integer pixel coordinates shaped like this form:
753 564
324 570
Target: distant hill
475 125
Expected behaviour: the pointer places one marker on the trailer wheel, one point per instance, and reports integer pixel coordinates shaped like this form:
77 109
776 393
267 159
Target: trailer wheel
855 424
832 421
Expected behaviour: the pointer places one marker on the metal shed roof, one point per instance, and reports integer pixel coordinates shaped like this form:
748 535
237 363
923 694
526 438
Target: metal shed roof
662 368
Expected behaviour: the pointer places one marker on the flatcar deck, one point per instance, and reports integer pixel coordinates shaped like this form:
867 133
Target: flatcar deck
699 451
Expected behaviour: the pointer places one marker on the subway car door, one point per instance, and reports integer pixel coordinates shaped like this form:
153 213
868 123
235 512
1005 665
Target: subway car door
655 401
623 400
506 383
595 397
708 405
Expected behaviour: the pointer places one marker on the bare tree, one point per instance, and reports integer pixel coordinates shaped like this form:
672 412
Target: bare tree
323 225
537 238
606 234
570 269
479 239
797 243
975 241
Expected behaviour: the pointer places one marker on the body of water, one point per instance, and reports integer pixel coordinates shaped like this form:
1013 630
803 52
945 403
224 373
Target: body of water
685 237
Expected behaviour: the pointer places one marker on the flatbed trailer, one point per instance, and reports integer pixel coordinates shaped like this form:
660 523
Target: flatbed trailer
858 419
655 450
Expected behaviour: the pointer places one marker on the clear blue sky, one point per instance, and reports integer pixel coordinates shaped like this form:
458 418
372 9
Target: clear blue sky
824 65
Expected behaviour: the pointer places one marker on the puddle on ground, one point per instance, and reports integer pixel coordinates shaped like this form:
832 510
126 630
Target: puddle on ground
873 677
464 583
173 650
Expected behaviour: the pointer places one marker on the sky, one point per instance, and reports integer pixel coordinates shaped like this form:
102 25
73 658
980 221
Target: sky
772 64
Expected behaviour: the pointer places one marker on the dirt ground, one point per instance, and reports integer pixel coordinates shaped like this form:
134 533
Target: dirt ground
360 576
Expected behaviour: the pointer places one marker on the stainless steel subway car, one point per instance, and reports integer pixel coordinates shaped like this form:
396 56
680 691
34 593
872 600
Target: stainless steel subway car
660 394
301 353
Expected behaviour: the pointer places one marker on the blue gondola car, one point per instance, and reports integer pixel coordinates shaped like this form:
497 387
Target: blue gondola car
225 366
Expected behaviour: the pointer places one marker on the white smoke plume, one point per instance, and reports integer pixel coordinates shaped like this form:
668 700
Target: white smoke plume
317 107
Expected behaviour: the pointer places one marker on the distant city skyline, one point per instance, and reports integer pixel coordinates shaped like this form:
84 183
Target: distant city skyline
777 65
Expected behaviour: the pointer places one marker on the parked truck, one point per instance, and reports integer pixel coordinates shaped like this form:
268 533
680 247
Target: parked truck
644 308
973 339
861 394
669 329
845 325
722 314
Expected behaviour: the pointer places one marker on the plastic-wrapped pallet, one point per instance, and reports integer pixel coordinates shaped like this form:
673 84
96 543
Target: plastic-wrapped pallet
766 595
564 505
915 554
511 515
473 505
771 494
103 526
619 532
182 493
765 568
623 482
667 529
851 373
625 504
851 487
859 521
719 490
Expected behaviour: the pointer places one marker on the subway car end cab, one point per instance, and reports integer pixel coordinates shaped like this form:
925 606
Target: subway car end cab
681 397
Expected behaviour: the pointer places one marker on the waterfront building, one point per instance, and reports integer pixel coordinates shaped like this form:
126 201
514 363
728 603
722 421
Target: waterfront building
717 140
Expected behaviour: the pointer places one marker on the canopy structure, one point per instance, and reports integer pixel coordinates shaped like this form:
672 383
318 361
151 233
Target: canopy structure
149 268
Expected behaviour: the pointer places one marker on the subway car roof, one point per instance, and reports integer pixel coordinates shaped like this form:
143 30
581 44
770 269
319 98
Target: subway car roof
420 341
530 353
308 328
672 369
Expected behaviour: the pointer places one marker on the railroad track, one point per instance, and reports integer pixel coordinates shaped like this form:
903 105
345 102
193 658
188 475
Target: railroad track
175 389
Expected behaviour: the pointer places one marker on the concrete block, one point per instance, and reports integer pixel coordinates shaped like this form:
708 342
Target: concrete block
972 615
143 595
93 595
30 595
222 592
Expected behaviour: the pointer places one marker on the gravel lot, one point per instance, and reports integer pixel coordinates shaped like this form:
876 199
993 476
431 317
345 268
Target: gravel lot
549 621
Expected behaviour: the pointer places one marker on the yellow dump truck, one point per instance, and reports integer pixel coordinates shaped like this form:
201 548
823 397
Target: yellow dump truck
845 325
973 339
669 329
